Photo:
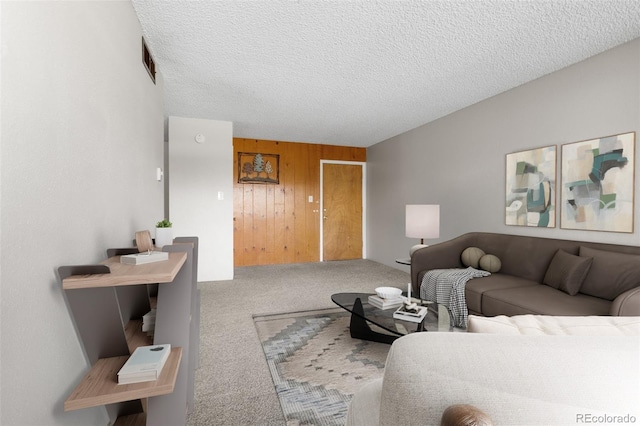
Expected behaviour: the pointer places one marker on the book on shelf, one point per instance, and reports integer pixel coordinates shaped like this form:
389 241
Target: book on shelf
380 303
149 320
144 257
137 378
415 313
144 364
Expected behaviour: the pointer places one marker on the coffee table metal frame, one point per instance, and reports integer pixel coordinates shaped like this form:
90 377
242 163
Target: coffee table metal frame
362 313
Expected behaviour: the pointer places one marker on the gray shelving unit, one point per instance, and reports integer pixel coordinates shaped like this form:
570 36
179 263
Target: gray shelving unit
106 302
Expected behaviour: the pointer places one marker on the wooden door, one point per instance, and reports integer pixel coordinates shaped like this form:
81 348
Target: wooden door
342 211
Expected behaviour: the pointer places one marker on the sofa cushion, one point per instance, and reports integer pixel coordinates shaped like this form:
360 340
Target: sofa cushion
555 325
471 256
611 273
541 299
477 286
567 272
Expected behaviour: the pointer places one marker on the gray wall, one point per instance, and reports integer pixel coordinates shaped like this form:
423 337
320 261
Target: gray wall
82 136
459 161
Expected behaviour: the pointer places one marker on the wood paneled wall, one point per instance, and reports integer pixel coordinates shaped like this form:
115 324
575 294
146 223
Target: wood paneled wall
277 223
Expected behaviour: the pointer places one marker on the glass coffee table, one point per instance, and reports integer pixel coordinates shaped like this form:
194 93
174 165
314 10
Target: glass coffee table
371 323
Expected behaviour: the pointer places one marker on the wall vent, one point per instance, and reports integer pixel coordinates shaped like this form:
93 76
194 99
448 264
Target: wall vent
147 60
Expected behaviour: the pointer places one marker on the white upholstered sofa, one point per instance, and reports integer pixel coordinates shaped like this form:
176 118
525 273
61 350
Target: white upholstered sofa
521 370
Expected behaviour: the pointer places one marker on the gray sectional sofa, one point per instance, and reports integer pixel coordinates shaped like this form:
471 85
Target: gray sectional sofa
541 275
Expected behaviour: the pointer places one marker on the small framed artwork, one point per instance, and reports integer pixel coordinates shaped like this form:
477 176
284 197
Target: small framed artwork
531 187
258 168
598 177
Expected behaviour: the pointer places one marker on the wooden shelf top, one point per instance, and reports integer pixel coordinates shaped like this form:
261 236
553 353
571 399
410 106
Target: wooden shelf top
121 274
100 385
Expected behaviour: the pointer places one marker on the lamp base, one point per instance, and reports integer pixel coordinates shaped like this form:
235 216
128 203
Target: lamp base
416 247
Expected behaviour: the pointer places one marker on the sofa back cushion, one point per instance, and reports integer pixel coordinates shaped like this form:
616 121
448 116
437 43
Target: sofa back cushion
611 273
525 257
530 257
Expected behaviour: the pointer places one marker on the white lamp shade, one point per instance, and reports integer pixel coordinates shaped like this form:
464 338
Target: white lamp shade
423 221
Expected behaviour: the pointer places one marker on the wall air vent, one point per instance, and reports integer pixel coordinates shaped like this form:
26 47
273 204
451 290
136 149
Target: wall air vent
147 60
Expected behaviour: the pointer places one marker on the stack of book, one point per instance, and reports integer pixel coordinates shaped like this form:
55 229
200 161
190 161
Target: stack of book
381 303
144 365
149 322
413 312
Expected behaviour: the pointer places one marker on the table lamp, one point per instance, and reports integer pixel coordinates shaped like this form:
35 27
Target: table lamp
422 221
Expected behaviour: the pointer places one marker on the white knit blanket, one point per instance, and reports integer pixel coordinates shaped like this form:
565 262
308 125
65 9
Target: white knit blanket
446 287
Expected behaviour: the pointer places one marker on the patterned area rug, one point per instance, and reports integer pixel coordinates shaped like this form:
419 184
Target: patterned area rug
315 364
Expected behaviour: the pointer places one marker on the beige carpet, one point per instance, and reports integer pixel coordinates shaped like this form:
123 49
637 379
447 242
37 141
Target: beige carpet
233 383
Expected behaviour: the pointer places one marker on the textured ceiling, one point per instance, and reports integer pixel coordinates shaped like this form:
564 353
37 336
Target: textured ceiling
359 72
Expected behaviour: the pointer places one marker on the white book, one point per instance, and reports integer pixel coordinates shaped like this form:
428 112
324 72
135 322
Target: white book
149 317
144 364
136 379
383 304
149 320
148 326
414 315
144 257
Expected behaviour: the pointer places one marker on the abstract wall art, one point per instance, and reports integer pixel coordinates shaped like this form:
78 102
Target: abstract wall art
258 168
531 187
598 184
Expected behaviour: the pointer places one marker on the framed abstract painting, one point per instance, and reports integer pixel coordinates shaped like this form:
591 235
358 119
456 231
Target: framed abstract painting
531 188
598 184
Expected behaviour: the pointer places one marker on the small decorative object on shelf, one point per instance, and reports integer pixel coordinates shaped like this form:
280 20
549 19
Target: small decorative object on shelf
144 365
164 233
144 241
144 257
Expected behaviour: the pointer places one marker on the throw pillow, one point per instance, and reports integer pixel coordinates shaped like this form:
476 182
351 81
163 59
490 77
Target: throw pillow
567 272
490 263
611 274
471 256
